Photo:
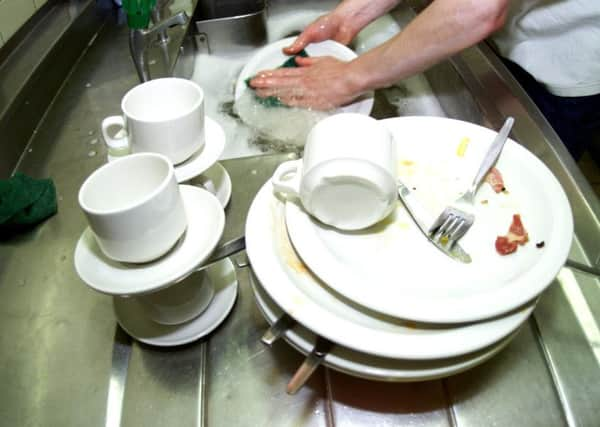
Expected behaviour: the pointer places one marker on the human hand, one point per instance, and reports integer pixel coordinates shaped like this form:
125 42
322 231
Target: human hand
322 83
326 27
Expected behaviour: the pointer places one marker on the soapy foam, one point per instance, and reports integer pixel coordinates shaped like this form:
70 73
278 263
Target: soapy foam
281 128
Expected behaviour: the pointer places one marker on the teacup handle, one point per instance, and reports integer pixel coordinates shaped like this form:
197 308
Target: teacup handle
286 178
116 146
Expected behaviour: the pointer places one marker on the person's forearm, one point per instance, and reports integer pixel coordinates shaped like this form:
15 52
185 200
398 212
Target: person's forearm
441 30
357 14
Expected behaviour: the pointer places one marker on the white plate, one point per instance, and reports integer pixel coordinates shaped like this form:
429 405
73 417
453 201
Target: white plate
371 367
205 158
302 295
216 180
202 159
134 320
206 221
393 269
271 56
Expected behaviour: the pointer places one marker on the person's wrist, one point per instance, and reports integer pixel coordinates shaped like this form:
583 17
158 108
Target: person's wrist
356 82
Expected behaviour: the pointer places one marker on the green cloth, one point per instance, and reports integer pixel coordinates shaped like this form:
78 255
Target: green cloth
272 101
24 202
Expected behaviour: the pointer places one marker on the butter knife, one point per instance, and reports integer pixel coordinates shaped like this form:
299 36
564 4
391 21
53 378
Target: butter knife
422 218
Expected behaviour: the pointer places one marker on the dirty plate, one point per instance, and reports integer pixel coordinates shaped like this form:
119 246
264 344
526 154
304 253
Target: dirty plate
391 268
271 56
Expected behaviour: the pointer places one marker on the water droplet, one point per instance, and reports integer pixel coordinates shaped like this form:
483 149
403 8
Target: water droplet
94 141
152 62
88 85
30 150
91 153
90 133
253 172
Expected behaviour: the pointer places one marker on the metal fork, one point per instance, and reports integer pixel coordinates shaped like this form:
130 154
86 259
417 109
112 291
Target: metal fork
456 219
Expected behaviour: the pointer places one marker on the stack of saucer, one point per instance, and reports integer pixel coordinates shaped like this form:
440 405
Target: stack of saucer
162 299
134 286
148 234
395 307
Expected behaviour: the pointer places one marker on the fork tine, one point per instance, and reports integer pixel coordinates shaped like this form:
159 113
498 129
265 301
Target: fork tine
457 218
443 228
460 230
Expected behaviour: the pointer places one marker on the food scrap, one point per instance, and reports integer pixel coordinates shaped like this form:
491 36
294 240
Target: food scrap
517 235
540 245
494 178
462 147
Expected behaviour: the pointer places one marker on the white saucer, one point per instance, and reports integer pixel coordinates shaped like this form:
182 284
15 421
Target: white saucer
134 320
216 180
206 221
203 159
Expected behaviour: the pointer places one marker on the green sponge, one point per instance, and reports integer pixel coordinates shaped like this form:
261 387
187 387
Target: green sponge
272 101
24 202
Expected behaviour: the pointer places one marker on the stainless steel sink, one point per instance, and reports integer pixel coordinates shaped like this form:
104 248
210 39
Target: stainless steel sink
66 361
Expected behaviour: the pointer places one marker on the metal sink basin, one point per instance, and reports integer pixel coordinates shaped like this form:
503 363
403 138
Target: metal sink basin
218 44
66 360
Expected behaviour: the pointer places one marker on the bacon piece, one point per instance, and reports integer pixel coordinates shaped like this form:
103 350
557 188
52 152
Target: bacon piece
517 235
494 178
504 246
516 232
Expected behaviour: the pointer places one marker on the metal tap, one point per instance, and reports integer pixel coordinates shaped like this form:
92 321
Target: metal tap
140 40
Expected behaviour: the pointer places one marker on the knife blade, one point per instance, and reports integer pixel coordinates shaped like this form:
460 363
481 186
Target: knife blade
322 347
423 219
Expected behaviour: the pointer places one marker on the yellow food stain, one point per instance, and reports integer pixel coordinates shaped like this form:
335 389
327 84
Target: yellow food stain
405 167
410 324
484 202
444 240
286 249
462 146
403 225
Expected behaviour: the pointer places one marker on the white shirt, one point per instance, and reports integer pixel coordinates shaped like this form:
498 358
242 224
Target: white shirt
556 41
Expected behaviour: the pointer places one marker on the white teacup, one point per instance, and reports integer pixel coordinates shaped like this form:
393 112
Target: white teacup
347 178
134 207
181 301
164 116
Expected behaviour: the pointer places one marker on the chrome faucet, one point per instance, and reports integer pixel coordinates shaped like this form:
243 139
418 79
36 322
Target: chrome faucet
140 39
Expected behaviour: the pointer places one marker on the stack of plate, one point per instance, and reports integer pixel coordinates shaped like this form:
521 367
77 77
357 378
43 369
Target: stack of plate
395 306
